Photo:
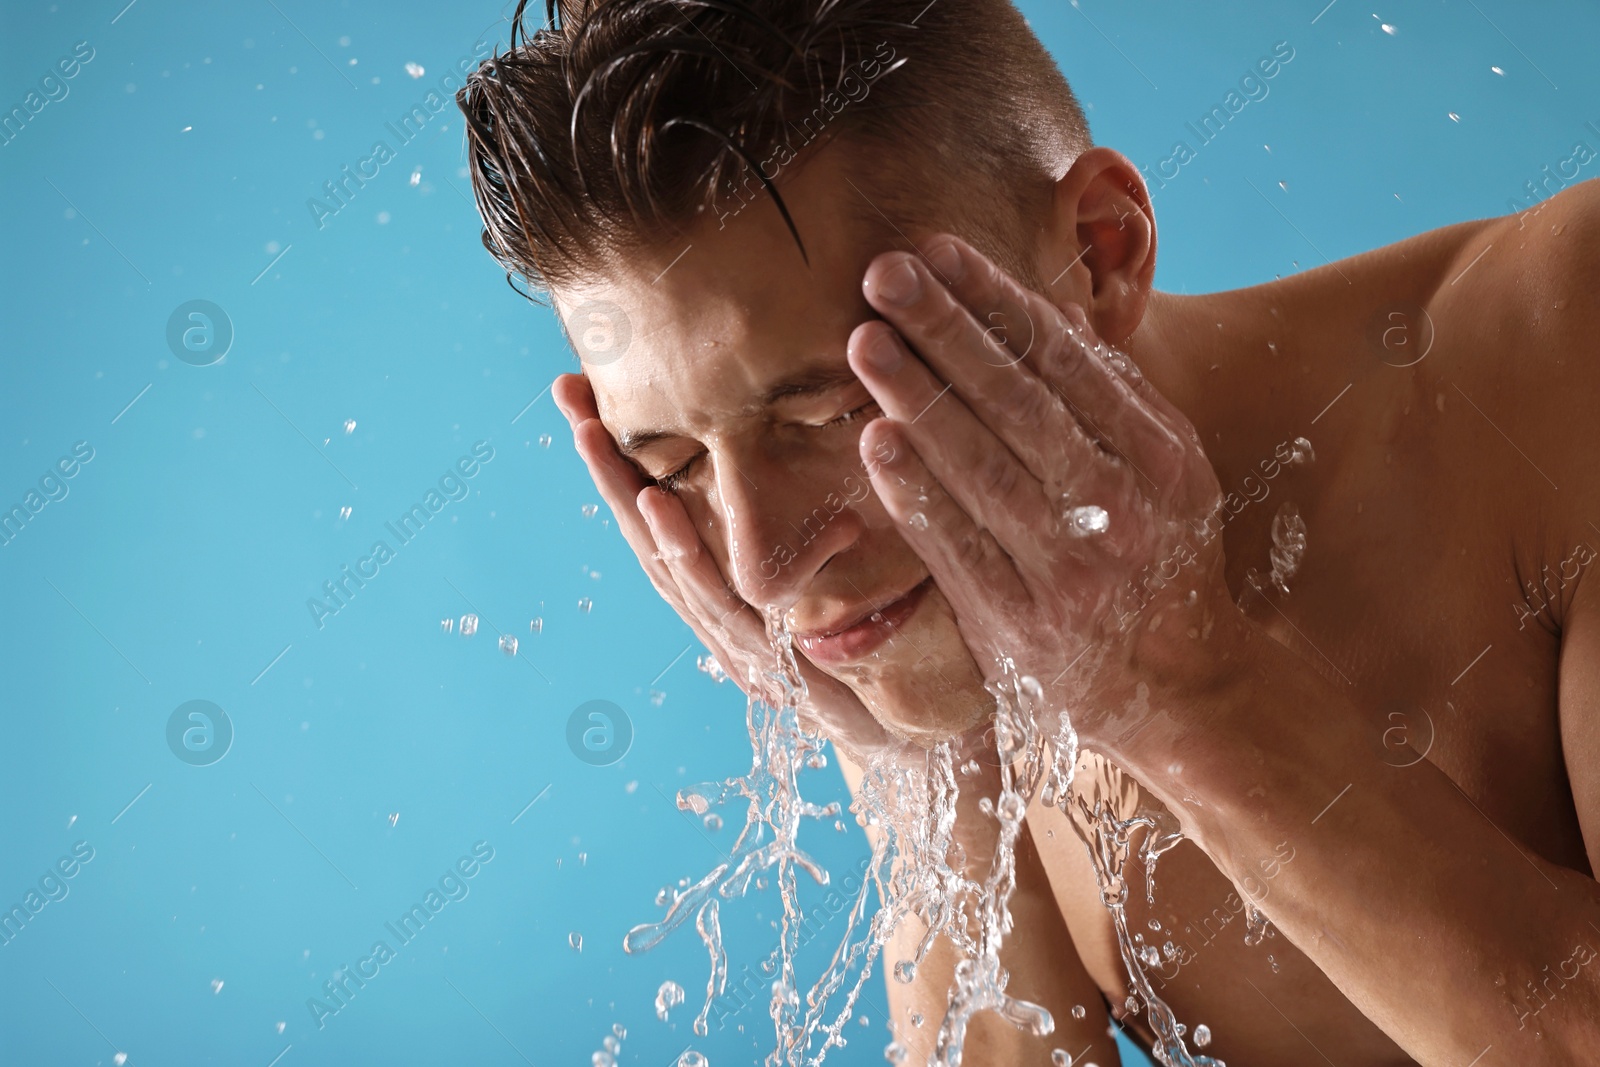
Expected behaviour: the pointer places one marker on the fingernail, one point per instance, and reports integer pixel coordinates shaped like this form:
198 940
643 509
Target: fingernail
899 284
946 259
883 353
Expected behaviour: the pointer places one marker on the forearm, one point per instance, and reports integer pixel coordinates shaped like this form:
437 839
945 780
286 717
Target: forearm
1445 933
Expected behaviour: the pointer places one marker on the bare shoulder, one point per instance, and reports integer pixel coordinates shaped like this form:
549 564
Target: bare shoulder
1516 319
1530 279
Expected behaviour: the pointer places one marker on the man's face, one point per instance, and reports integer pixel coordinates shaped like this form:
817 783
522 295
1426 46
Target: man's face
734 391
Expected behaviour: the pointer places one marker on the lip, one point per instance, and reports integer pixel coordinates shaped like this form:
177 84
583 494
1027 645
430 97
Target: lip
862 637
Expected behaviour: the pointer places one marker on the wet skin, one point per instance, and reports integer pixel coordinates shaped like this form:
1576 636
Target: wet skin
1414 909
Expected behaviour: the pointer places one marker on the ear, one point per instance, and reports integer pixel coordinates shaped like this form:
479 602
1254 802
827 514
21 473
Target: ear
1101 247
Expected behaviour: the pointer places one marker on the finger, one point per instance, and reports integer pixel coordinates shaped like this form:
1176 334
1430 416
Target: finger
620 484
967 563
976 468
972 354
695 570
574 396
1106 392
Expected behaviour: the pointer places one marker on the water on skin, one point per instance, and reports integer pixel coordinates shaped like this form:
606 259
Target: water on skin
914 869
916 866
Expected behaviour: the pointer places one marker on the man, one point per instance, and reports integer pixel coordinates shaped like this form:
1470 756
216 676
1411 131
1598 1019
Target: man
1386 735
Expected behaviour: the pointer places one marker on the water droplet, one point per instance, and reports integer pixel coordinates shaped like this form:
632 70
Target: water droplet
1454 117
1390 30
585 604
447 625
344 512
544 440
713 821
394 818
894 1052
669 996
708 664
1087 520
216 986
656 697
349 426
469 625
1061 1057
575 939
905 971
536 626
589 510
691 1058
1498 71
508 644
1273 962
1132 1004
1288 546
122 1057
916 1019
1202 1036
918 521
1078 1011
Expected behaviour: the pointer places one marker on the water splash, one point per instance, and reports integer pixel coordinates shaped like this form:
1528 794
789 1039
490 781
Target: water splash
669 996
1288 546
768 843
917 867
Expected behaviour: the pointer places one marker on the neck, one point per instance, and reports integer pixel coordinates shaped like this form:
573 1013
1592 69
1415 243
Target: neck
1218 357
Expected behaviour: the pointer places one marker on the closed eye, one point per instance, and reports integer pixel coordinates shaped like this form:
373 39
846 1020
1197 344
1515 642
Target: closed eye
673 480
850 416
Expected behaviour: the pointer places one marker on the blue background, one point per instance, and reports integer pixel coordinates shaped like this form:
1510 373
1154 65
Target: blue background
178 567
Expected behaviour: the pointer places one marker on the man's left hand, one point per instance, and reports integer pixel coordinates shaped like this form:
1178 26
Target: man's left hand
1060 503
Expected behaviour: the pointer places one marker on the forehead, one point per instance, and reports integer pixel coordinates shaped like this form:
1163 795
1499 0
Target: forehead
733 299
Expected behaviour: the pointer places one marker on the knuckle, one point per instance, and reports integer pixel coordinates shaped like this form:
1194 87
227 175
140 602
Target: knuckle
1026 400
971 547
947 321
996 474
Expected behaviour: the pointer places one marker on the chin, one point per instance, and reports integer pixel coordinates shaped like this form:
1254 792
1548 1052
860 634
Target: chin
923 686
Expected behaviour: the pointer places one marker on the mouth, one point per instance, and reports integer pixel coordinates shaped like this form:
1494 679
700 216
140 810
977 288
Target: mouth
862 636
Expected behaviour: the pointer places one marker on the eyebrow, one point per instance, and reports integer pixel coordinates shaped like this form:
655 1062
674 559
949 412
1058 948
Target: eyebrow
813 382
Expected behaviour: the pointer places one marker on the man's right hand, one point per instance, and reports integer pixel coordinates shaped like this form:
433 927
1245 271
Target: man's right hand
688 578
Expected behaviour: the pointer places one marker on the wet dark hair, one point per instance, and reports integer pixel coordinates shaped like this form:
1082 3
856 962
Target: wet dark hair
617 123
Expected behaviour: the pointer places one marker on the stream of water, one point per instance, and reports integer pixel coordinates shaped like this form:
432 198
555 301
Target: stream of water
915 868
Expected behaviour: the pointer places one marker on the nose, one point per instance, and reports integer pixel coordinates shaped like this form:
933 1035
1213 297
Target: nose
780 524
